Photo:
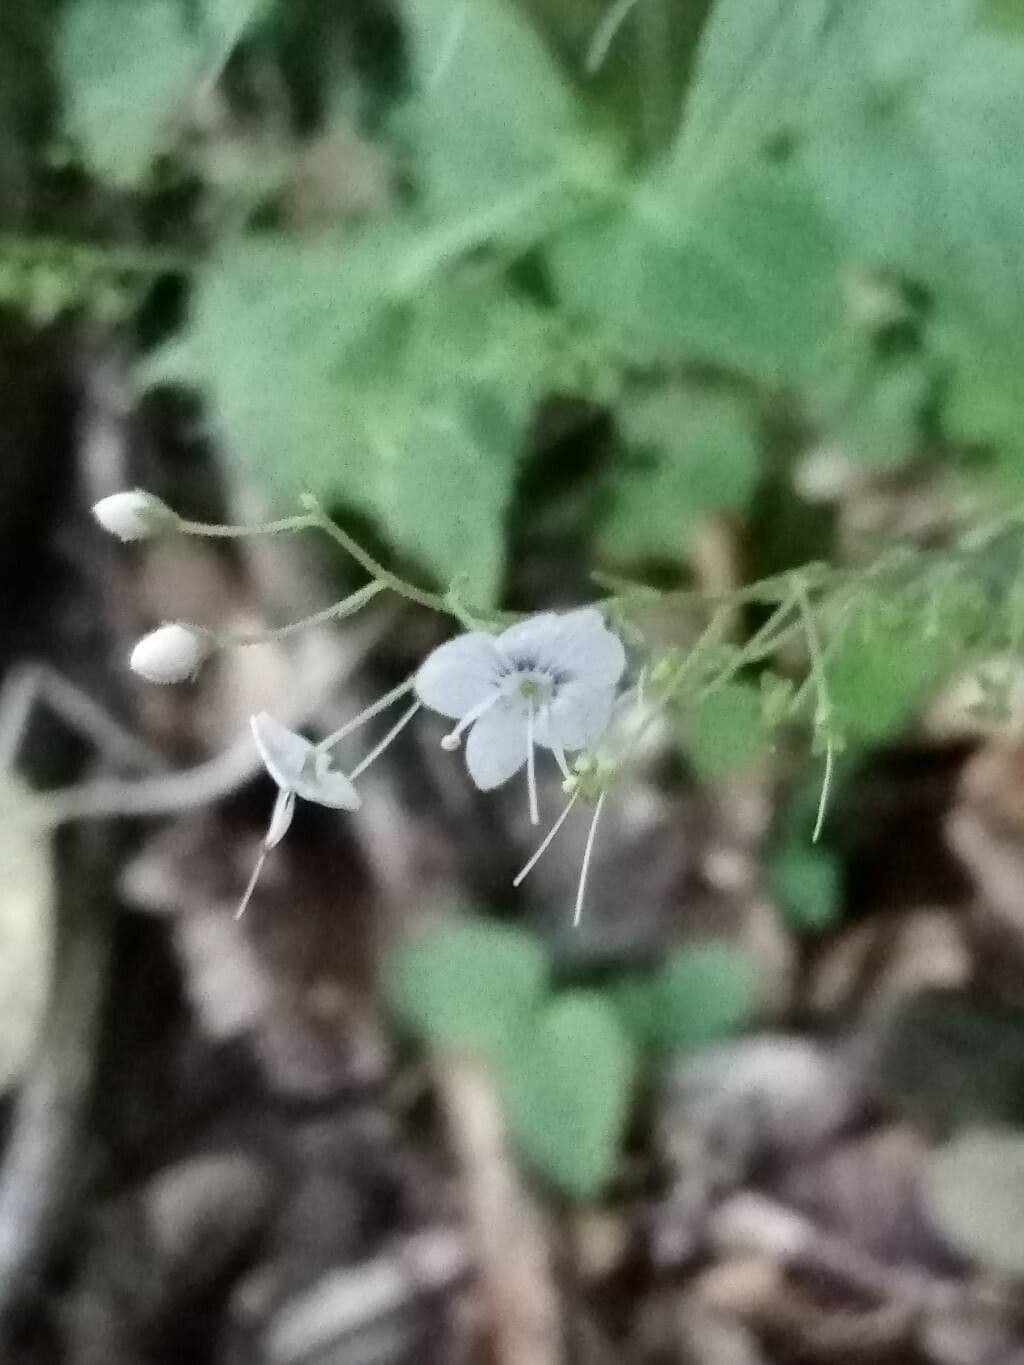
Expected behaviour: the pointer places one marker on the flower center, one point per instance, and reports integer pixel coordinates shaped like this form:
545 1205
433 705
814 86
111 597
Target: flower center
533 686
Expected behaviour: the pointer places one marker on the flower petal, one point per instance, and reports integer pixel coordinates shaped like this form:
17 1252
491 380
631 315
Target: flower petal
280 818
460 674
577 718
530 642
496 748
328 786
284 753
588 649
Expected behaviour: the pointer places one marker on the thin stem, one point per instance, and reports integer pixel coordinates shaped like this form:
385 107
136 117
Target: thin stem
219 530
546 841
378 749
336 612
531 767
381 704
605 34
435 601
251 885
823 714
587 855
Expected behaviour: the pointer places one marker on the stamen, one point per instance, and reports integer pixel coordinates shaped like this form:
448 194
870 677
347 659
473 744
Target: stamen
546 842
453 739
378 749
531 767
587 853
374 709
559 753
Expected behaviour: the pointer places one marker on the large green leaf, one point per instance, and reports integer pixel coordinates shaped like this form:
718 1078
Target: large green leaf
337 367
496 128
127 68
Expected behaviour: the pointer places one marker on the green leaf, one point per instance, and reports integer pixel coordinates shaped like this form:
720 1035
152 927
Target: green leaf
702 993
346 369
697 454
126 66
470 984
804 881
974 1192
499 146
567 1087
726 733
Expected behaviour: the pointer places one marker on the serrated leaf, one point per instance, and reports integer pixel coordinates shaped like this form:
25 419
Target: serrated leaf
726 732
469 985
345 369
695 453
702 993
568 1088
974 1192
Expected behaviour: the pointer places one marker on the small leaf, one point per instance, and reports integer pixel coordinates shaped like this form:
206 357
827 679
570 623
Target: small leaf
974 1191
567 1087
726 733
701 994
470 984
804 881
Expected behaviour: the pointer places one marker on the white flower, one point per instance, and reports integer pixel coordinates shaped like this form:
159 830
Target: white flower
300 769
170 654
549 680
134 515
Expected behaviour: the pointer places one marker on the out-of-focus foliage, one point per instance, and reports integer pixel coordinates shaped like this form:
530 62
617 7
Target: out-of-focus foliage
735 229
567 1059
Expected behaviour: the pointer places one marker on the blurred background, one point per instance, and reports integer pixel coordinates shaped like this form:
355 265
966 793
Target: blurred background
708 310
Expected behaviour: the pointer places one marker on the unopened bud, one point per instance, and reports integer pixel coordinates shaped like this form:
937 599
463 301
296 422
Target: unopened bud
171 654
135 515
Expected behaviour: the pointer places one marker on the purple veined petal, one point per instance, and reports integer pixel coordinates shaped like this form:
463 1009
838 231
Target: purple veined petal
327 785
531 641
588 649
577 718
280 818
496 748
284 753
459 674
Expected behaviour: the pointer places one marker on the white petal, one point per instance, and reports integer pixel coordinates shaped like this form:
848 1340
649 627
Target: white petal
530 641
496 748
283 751
328 786
460 674
588 649
577 718
280 818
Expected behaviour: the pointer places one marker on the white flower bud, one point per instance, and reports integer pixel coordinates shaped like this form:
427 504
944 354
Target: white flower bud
171 654
135 515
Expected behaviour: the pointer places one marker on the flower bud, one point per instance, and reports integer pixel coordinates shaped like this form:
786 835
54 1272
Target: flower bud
171 654
135 515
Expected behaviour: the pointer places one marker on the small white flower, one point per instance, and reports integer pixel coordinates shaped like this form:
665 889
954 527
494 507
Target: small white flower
134 515
549 680
170 654
299 768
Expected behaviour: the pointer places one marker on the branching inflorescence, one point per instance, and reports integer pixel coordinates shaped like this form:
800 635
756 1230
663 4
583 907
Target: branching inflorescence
554 681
